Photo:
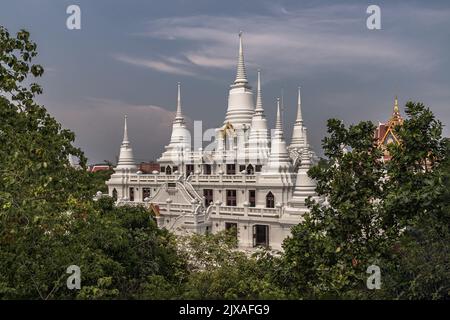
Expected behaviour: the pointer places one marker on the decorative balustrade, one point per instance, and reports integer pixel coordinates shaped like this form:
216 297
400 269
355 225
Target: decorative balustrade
226 179
206 178
153 178
245 211
195 179
236 211
264 212
175 208
180 207
214 209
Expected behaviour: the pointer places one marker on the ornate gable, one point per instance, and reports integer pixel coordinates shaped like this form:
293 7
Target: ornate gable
388 128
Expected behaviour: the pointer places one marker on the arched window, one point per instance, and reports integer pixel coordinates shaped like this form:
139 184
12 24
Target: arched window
168 170
250 169
114 194
270 200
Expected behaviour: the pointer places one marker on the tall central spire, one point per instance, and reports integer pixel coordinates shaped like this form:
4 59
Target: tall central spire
240 99
241 75
179 115
125 131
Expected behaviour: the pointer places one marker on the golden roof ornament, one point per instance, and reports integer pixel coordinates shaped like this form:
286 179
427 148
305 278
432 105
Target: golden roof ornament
396 118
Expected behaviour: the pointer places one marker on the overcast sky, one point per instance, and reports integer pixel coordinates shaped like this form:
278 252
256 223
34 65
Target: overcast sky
129 55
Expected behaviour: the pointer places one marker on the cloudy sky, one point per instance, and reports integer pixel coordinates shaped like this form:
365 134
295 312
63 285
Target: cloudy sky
129 55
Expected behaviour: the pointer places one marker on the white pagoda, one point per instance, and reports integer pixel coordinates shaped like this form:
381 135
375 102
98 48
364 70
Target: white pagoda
250 181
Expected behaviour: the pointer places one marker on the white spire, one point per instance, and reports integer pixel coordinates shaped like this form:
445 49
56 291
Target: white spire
299 136
180 135
179 115
126 158
258 141
278 124
241 75
240 99
125 132
180 140
282 104
299 108
259 108
279 158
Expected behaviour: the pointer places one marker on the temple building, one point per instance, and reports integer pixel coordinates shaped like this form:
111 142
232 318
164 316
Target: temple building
385 134
250 180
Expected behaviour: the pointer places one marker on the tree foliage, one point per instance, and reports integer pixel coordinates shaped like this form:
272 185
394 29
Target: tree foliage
217 270
48 220
394 215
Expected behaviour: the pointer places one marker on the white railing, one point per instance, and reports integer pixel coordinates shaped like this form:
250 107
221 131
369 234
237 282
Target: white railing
208 178
231 210
194 178
180 207
245 211
174 208
264 212
214 178
192 191
212 210
152 178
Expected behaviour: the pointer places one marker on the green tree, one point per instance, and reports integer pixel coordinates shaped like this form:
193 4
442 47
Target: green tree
48 220
218 270
135 251
418 200
375 213
328 253
36 181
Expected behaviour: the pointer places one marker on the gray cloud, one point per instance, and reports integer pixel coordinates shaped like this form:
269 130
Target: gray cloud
168 65
129 56
295 40
100 127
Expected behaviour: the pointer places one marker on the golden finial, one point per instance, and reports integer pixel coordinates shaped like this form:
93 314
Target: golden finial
396 105
396 118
